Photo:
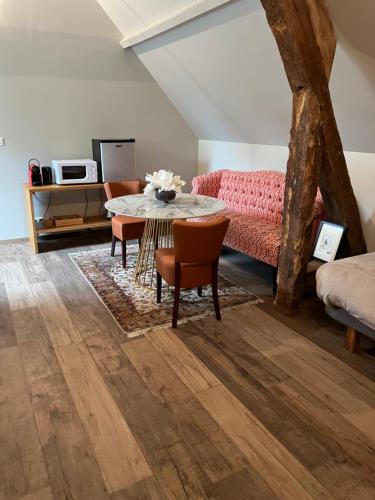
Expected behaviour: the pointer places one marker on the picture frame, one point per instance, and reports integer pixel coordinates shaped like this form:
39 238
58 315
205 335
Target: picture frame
328 241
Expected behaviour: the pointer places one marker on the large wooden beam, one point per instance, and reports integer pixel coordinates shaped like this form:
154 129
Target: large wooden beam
306 40
302 180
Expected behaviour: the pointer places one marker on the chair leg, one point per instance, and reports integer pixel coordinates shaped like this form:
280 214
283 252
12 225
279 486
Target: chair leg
158 287
123 247
176 301
352 340
139 242
215 294
113 246
199 291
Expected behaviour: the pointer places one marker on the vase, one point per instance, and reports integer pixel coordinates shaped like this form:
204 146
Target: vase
165 196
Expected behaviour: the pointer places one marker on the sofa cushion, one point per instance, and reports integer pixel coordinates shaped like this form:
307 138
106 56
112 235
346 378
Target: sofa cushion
259 194
256 237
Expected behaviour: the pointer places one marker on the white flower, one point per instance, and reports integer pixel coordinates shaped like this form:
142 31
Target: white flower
164 180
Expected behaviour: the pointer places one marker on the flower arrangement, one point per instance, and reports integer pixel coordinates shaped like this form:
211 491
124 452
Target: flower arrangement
164 184
163 180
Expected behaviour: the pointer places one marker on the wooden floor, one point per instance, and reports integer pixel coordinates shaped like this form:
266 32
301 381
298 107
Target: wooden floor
255 407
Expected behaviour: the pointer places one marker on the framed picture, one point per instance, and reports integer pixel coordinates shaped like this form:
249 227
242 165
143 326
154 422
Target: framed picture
328 241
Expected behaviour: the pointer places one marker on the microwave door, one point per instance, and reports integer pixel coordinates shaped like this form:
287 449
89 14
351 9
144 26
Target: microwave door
73 173
118 161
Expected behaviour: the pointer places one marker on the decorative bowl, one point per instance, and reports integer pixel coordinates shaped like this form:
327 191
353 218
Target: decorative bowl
165 196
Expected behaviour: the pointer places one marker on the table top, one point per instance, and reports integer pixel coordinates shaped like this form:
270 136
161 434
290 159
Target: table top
184 206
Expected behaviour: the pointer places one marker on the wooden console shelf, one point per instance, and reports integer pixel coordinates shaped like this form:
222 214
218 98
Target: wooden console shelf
36 228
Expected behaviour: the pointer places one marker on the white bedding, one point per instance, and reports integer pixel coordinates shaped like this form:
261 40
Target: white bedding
350 284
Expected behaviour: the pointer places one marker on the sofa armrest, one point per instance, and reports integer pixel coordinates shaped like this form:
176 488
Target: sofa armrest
208 184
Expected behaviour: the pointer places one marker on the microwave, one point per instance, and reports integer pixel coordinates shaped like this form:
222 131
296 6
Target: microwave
75 171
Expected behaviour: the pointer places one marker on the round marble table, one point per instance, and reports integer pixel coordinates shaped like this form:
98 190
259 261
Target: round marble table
159 217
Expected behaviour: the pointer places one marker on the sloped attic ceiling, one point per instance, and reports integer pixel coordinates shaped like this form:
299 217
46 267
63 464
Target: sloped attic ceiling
223 72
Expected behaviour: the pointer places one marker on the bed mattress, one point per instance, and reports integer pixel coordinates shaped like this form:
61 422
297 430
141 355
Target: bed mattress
349 284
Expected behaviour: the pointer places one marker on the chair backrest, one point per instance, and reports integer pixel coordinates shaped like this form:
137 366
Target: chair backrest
199 242
123 188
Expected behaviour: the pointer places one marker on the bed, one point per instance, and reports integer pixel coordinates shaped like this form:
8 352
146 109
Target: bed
347 288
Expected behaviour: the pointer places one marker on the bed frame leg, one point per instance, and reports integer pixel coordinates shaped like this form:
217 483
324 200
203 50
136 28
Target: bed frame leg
352 340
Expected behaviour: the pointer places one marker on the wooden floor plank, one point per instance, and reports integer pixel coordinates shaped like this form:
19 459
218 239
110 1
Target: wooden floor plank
315 325
147 489
43 494
38 356
264 333
338 398
7 334
152 424
242 355
202 437
364 421
362 388
176 472
351 439
99 333
352 456
56 317
72 288
331 367
194 374
16 285
307 438
71 466
283 473
247 485
22 467
117 453
34 270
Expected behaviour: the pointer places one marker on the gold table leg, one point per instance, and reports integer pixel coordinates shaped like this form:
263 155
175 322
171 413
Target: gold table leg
157 234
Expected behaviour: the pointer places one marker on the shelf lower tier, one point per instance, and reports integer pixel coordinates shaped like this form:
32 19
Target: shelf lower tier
89 223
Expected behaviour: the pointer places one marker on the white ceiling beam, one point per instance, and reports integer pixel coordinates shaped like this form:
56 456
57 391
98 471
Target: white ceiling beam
183 15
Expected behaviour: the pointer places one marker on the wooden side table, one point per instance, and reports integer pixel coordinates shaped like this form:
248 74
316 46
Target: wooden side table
36 228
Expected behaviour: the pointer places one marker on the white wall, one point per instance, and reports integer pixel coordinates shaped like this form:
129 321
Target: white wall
63 82
215 155
224 74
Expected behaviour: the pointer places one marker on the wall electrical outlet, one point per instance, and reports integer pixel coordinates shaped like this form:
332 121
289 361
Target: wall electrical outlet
2 143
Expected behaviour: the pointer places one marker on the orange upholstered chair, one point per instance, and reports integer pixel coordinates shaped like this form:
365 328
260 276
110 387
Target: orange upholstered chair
193 262
123 227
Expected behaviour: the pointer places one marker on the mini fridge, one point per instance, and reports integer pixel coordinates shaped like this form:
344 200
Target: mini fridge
115 159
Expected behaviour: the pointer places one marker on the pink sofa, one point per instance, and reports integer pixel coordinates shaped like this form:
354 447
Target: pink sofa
254 206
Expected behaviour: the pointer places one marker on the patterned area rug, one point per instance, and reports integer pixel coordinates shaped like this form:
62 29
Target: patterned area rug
134 307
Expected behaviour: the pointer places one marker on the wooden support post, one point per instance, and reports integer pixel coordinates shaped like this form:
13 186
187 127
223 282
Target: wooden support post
302 182
306 40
